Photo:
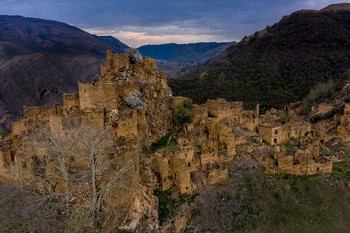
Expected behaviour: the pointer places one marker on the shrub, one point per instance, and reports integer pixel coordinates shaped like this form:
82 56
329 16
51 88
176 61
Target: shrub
187 103
283 118
305 108
183 113
134 101
321 91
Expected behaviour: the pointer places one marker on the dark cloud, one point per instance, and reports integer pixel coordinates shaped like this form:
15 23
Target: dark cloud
226 19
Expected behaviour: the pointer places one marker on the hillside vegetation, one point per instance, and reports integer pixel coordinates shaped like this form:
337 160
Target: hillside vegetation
277 65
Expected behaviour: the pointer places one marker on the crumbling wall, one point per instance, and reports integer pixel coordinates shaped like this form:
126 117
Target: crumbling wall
41 113
182 176
324 108
71 101
127 124
200 112
97 95
95 117
219 108
217 174
271 134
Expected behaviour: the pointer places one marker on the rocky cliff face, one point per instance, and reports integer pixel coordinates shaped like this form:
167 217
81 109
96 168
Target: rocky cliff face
141 86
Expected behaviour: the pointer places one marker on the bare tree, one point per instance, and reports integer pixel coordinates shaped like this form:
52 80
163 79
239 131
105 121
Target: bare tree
80 157
58 147
96 147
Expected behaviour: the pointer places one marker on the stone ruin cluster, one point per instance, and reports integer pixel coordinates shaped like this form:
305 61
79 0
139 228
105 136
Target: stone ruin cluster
133 100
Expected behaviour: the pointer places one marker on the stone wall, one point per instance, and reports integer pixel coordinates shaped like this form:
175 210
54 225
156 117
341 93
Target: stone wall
97 95
271 134
71 101
324 108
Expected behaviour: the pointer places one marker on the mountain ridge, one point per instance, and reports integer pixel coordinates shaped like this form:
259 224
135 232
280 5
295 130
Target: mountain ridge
177 59
191 52
276 65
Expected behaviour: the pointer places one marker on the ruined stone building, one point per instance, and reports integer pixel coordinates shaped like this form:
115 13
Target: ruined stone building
133 100
289 128
277 127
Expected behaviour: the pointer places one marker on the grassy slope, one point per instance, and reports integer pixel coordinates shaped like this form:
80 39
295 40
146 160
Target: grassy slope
23 211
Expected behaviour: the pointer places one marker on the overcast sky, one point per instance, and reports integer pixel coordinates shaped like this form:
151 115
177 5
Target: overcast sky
140 22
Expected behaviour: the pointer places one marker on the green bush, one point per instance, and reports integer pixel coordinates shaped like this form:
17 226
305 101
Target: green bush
317 94
183 113
321 90
283 118
187 103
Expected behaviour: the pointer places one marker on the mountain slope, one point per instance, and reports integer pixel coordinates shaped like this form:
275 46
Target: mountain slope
40 79
47 35
277 65
41 59
116 45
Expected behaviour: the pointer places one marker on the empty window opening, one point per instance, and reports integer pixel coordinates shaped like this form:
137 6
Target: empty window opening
12 156
275 140
206 131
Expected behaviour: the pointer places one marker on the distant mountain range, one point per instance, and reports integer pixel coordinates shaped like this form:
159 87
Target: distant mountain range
277 65
177 59
195 52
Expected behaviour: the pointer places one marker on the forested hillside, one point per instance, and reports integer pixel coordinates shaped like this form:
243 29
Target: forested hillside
277 65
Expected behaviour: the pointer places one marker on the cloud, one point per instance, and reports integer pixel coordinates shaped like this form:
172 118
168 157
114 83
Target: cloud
136 36
318 4
162 21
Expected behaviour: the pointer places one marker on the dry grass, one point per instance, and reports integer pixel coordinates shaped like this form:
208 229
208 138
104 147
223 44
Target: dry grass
251 201
23 211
